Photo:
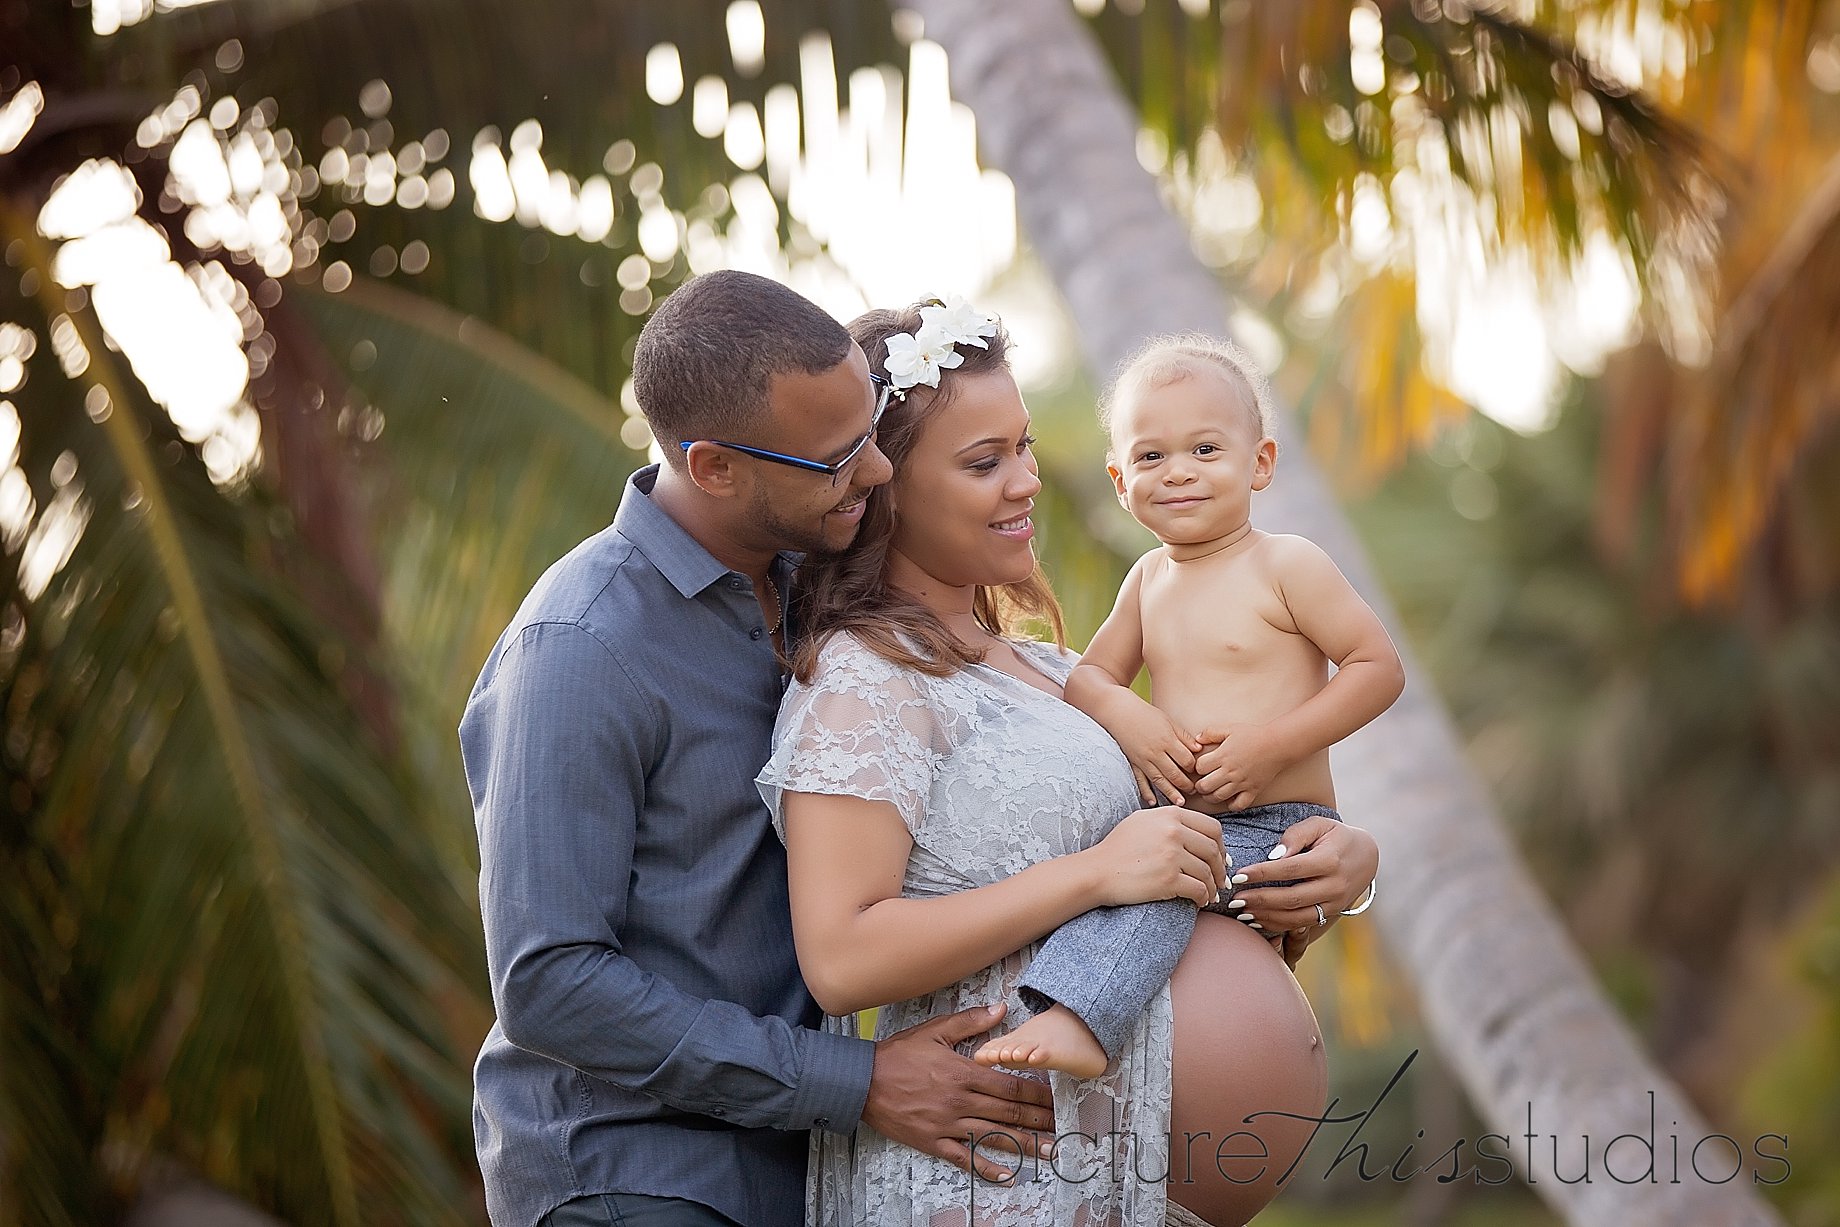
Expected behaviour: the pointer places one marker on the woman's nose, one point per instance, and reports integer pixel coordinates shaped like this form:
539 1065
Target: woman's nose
1026 484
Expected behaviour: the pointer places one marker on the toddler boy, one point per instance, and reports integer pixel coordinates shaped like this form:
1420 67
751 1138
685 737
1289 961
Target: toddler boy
1238 629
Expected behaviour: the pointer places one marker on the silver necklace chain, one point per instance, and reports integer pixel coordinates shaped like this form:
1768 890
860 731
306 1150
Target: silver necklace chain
778 615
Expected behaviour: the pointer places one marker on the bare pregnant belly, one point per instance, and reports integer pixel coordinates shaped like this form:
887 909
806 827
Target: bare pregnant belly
1246 1042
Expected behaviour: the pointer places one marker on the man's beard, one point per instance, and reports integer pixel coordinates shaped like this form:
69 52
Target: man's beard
796 536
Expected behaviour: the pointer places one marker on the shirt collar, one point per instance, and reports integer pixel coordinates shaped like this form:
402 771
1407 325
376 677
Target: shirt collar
678 556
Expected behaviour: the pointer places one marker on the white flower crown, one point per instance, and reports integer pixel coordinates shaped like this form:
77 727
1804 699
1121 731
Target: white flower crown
918 357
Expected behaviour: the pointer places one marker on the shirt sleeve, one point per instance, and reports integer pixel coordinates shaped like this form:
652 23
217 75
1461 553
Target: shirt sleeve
862 727
556 740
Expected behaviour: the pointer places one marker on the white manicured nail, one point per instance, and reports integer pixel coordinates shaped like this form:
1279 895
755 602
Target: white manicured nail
1276 853
1237 903
1240 879
1258 926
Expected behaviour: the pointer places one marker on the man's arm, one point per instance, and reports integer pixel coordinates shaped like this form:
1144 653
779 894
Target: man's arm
556 743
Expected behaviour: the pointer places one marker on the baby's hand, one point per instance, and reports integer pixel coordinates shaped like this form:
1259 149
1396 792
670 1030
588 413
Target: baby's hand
1243 763
1162 755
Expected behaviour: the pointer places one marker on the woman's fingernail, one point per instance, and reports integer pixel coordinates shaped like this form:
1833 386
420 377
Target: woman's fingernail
1276 853
1240 879
1258 926
1216 896
1237 903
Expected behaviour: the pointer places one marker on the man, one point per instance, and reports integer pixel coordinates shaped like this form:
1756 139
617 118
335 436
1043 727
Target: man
655 1058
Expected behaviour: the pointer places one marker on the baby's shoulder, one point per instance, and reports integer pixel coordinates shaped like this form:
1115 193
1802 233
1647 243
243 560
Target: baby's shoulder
1287 552
1149 565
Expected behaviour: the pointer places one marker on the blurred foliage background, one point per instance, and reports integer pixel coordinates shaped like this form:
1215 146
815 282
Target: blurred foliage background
315 329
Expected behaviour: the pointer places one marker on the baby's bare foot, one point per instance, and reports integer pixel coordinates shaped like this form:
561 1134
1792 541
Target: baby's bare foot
1053 1039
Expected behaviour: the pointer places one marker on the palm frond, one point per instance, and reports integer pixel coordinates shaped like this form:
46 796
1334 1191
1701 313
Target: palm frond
1736 72
1536 132
491 462
249 941
1772 388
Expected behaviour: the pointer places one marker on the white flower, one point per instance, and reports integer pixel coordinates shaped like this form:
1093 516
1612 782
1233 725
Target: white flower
959 322
916 359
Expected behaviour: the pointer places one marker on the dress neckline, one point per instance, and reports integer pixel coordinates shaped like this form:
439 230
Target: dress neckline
1038 660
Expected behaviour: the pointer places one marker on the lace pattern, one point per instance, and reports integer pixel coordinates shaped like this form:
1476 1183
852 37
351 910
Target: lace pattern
991 775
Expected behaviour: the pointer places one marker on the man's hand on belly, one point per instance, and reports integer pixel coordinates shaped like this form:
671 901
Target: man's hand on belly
925 1095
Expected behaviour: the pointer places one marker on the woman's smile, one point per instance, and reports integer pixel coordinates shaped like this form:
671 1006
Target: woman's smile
1022 528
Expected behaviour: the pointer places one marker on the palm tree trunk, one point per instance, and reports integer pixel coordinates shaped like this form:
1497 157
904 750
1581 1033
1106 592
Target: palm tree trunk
1511 1003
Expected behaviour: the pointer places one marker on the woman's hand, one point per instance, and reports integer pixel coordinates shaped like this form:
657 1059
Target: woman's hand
1328 862
1162 853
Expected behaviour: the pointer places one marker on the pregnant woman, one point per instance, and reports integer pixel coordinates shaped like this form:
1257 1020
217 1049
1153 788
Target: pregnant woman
944 809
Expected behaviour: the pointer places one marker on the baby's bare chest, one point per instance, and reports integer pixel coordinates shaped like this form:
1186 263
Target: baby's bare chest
1230 618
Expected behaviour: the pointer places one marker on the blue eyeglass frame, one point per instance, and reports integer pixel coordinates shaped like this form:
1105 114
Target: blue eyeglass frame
833 471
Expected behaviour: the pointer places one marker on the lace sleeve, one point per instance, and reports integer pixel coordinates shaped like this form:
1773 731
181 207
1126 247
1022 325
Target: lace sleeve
862 727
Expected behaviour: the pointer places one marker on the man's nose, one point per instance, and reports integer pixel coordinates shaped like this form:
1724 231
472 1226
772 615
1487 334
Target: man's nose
875 467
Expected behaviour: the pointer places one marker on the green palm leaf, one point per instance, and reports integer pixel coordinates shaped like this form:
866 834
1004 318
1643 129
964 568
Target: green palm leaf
491 463
244 948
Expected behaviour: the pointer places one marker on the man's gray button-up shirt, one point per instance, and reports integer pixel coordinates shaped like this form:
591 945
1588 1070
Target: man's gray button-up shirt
653 1033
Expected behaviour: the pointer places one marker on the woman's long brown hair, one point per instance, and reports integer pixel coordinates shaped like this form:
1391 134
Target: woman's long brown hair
849 591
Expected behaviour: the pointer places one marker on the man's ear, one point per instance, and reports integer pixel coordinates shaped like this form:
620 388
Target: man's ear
713 470
1264 463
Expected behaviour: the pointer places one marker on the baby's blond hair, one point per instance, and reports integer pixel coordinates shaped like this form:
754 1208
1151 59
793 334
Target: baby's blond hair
1166 359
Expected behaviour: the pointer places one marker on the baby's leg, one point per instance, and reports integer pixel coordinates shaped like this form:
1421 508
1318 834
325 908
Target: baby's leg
1090 982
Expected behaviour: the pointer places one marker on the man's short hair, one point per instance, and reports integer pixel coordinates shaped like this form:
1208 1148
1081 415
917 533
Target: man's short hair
707 357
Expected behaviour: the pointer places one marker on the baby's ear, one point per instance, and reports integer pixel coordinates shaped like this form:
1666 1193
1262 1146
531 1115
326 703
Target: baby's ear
1264 463
1117 475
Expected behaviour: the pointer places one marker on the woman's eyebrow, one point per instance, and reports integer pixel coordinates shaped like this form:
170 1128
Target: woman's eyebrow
971 447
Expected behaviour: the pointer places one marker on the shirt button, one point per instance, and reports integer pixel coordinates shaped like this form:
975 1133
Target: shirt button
737 583
823 1122
755 633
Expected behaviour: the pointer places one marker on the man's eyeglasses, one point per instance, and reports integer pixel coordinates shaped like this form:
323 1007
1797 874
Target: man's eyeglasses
884 395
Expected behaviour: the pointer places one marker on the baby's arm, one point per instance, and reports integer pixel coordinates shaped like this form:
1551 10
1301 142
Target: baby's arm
1162 755
1368 678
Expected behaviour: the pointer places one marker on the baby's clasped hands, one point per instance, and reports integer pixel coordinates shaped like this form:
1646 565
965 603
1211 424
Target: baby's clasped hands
1238 762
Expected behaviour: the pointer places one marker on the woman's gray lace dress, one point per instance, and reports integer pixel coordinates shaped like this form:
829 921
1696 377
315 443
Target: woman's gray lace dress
991 775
